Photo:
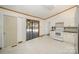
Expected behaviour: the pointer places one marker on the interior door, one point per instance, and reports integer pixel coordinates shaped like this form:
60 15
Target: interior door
10 31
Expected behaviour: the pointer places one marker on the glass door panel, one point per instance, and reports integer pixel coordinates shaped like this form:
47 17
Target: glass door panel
32 29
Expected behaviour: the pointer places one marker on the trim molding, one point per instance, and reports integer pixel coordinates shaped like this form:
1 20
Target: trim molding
44 35
39 17
20 41
20 12
13 45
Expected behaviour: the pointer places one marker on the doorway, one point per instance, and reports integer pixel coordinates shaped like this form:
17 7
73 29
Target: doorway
10 31
32 29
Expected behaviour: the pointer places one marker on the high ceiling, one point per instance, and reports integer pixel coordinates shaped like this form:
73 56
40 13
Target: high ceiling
42 11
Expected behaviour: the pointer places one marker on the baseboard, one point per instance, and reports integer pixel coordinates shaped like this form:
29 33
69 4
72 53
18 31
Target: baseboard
41 35
59 40
14 45
44 35
20 41
0 48
48 34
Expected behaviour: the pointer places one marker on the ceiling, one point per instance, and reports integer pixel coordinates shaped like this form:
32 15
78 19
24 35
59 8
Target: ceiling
41 11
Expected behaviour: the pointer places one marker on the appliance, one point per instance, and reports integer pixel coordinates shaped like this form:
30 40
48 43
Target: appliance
59 31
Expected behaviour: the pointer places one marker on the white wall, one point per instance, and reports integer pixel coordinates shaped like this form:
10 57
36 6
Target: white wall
44 27
24 29
77 23
21 29
47 27
68 18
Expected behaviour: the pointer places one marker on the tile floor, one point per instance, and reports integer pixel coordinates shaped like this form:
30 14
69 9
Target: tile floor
41 45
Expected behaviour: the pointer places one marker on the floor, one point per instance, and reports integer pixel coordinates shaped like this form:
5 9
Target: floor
41 45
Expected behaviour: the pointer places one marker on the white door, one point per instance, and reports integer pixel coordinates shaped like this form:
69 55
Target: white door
10 31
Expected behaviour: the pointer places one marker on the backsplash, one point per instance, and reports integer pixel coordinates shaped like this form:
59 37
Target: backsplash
68 29
71 29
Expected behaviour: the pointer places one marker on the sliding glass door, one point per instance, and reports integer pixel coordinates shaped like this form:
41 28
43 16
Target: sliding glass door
32 29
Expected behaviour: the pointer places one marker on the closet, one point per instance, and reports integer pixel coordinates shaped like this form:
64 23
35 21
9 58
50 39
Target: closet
8 31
